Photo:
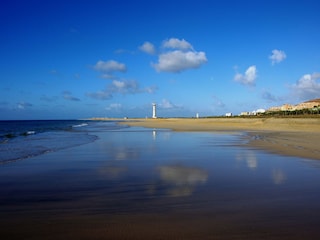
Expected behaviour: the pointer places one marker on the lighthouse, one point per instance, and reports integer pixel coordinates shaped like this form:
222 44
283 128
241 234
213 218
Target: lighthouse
154 111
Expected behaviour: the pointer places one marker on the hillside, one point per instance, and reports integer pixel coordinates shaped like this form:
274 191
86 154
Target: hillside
313 100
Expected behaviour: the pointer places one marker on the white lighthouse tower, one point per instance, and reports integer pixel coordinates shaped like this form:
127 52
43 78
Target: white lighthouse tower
154 111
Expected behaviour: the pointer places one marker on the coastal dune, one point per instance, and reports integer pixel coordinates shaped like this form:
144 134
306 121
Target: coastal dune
288 136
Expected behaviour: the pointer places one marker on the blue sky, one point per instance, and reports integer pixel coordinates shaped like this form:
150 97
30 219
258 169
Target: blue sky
82 59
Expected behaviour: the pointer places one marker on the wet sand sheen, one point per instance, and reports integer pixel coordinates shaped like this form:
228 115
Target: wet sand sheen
289 136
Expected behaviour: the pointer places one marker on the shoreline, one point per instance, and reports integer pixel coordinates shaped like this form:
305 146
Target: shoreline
297 137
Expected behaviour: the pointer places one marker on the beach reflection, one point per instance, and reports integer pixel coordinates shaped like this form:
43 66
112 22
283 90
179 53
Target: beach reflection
182 180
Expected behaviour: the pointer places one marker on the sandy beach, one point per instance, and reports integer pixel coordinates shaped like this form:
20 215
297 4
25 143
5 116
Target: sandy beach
288 136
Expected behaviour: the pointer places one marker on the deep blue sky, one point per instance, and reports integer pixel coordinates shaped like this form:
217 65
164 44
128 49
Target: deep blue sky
80 59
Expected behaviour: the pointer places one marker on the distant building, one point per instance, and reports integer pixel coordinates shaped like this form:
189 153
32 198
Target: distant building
258 111
197 115
244 113
228 114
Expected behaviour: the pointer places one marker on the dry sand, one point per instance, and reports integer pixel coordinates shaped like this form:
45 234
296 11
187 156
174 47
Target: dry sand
288 136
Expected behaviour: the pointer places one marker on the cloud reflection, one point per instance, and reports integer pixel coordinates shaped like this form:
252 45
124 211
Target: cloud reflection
182 180
278 176
250 158
122 153
165 135
113 172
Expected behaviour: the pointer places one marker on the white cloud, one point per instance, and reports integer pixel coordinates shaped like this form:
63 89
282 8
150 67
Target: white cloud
277 56
307 87
148 47
177 44
177 61
248 78
110 66
124 87
120 87
114 106
178 56
166 104
23 105
151 89
129 87
121 84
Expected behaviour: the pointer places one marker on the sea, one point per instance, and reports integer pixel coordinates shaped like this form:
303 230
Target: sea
28 138
83 179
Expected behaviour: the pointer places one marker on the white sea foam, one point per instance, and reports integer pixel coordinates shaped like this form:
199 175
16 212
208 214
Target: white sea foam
80 125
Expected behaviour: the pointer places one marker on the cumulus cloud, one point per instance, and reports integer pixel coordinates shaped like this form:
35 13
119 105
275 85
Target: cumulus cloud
148 47
68 96
124 87
277 56
178 61
114 106
177 44
166 104
150 89
180 57
23 105
108 68
248 78
307 87
120 87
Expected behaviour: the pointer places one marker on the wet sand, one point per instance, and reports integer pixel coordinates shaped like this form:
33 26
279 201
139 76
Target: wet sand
288 136
190 226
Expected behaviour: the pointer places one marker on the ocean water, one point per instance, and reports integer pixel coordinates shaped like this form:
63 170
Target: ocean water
24 139
138 183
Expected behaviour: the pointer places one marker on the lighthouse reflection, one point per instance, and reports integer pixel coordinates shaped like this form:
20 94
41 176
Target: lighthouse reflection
154 134
163 133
